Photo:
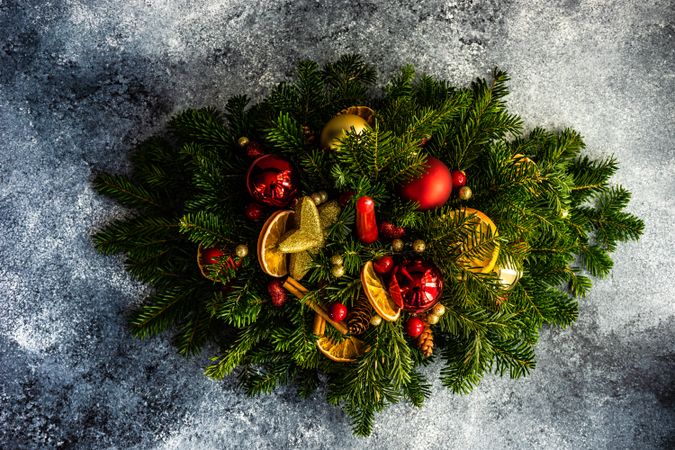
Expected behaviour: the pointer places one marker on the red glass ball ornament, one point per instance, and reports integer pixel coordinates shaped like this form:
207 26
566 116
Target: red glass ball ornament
254 211
338 312
272 180
432 189
414 327
417 285
384 265
458 179
212 255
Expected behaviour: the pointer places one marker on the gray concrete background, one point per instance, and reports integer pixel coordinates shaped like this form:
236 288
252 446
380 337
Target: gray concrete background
82 81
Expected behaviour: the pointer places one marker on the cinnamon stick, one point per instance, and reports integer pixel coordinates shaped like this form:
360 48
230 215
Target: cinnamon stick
295 288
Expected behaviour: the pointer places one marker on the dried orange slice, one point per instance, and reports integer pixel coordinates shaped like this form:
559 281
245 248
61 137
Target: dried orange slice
346 350
271 260
377 294
482 223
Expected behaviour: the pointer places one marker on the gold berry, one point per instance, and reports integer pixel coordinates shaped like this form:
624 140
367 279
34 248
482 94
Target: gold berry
324 196
316 198
336 260
397 245
375 320
337 271
241 250
243 141
438 310
419 246
465 193
433 319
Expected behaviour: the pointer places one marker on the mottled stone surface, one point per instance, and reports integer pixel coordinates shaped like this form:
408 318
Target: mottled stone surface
82 81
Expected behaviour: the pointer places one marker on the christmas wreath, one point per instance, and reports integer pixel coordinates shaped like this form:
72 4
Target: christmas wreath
339 234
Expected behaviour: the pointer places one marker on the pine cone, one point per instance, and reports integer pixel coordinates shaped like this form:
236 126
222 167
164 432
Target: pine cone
359 317
425 341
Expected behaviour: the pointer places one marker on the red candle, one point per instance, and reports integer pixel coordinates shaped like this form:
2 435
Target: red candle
366 225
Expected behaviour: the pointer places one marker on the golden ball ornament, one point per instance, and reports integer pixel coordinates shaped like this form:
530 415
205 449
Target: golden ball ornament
465 193
243 141
375 320
397 245
324 196
241 250
336 260
438 309
316 198
419 246
337 271
337 128
432 319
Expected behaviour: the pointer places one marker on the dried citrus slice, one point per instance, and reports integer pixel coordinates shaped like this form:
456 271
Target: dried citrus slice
484 225
271 260
345 350
377 294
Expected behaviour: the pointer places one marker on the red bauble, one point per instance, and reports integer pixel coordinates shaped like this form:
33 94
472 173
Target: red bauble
277 293
391 231
432 189
272 180
212 255
254 211
366 224
417 285
414 327
384 265
338 312
458 179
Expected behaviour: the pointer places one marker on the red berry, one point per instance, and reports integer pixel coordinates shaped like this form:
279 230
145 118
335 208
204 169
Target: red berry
458 178
277 293
212 255
384 265
254 211
414 327
391 231
338 312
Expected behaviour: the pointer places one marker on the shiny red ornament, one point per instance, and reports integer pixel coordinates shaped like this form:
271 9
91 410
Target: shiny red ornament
277 292
338 312
414 327
432 189
366 224
458 179
383 265
390 231
254 211
417 285
272 180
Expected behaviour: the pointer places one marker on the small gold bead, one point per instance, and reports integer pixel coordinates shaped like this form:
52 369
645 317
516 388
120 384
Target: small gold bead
419 246
465 193
433 319
241 250
243 141
336 260
324 196
397 245
375 320
316 198
439 309
337 271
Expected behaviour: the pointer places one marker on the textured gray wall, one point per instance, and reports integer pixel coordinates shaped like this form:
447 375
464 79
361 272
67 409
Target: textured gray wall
81 81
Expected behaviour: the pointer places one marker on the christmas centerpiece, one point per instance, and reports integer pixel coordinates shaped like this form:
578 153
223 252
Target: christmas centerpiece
333 234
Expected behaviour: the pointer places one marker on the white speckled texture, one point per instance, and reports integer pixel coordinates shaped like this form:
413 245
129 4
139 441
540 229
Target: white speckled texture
81 81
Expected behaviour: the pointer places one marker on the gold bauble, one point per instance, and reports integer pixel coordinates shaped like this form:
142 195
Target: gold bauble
243 141
375 320
432 319
438 309
316 198
337 271
324 196
241 250
397 245
337 128
336 260
419 246
465 193
508 275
